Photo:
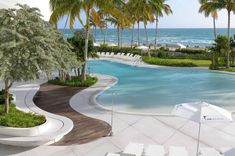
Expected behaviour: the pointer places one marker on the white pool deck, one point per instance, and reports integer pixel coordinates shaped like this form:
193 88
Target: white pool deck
146 129
161 130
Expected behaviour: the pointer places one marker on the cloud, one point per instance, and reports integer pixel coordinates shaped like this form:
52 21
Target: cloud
43 5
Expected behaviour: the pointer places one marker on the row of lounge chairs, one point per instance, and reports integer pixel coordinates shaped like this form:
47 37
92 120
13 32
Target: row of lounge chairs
123 56
137 149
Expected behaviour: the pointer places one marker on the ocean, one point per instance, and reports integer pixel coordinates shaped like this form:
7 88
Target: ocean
202 37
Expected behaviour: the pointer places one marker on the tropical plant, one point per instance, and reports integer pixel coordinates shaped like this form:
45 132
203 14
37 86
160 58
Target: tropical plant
78 42
96 20
130 8
72 8
159 8
27 46
219 49
209 11
142 12
229 6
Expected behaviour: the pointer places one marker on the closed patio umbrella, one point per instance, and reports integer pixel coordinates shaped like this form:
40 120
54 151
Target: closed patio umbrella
143 47
202 112
230 152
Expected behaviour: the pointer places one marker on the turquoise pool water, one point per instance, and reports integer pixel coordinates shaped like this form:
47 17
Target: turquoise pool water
157 90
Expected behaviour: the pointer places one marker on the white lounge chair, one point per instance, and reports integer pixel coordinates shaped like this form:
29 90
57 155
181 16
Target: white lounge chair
103 54
128 54
178 151
209 152
111 54
133 149
107 54
155 150
112 154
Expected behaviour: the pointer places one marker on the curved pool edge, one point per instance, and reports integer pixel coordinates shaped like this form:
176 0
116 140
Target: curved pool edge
85 101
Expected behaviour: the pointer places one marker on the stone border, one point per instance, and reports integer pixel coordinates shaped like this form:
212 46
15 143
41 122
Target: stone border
92 92
52 131
23 132
93 97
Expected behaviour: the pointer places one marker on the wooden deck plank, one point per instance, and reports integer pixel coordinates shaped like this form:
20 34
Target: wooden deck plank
55 99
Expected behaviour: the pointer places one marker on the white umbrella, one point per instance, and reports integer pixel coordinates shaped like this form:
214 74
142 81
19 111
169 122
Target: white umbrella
181 46
96 44
230 152
202 112
143 47
112 45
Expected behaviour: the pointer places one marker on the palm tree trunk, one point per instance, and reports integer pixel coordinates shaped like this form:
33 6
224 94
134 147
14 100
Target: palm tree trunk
118 33
228 51
86 43
214 65
121 37
146 34
95 35
132 35
105 33
66 23
156 33
214 26
6 96
138 33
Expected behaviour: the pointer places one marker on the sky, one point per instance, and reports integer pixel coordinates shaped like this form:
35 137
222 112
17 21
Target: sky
185 14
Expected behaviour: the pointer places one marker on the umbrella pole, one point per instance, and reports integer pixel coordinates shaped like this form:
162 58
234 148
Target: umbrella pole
198 139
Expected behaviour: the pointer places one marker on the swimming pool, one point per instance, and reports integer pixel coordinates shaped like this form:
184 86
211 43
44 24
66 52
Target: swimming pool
157 90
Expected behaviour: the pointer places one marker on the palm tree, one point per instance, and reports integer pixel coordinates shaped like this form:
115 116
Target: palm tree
118 22
130 8
96 21
159 8
142 12
72 8
208 11
229 6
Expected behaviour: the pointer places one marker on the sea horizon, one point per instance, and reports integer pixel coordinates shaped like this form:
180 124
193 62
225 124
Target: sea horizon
192 37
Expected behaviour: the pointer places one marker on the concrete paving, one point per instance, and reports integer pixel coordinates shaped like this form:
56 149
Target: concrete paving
147 129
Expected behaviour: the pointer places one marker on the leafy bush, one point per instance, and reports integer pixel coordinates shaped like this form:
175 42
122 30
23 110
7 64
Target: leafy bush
2 99
75 81
19 119
176 62
118 50
191 51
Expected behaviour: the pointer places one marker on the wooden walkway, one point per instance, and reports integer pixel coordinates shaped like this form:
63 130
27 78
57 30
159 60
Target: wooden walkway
55 99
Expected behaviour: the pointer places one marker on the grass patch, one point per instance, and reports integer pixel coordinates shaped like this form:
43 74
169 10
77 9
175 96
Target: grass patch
18 119
228 69
75 81
176 62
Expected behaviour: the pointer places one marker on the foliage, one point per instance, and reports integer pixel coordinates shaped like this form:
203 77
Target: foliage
75 81
191 51
176 62
117 49
78 44
19 119
219 50
2 98
227 69
29 45
176 55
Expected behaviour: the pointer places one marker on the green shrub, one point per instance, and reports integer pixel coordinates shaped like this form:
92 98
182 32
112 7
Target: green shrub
2 99
19 119
191 51
118 50
205 56
75 81
176 62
